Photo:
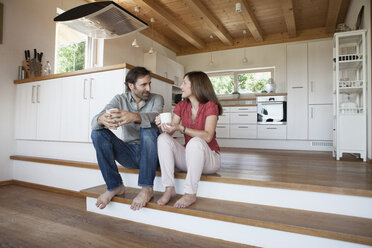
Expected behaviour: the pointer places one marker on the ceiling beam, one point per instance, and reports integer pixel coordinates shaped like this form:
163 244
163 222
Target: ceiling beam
251 21
287 8
173 23
199 9
334 7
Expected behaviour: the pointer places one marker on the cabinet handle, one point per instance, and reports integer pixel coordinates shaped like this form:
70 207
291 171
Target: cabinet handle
311 86
84 95
38 94
242 114
273 128
221 127
33 94
312 112
90 88
242 127
242 108
297 87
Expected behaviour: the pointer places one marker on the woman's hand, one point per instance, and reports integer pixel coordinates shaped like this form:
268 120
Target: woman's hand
169 128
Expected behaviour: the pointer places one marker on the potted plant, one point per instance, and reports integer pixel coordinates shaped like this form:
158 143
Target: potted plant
235 94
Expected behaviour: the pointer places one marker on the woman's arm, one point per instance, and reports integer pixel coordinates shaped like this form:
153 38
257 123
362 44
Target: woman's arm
171 128
206 134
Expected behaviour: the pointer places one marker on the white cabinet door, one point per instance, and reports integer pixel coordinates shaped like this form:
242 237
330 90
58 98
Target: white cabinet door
164 89
26 111
297 65
297 105
320 122
75 109
103 86
320 72
48 98
271 131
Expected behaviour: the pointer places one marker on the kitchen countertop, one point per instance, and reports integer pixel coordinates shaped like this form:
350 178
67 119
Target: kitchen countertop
88 71
245 101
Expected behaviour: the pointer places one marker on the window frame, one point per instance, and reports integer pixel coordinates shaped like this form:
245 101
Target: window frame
235 73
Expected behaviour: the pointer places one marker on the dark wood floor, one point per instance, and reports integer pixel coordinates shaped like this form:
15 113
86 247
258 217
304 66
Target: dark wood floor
296 167
36 218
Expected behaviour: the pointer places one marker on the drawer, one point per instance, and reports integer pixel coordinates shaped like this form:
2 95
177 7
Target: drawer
244 109
272 131
243 118
224 118
226 109
222 131
243 131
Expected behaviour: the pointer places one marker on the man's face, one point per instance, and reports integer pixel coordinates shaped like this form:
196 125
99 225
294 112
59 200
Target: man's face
142 88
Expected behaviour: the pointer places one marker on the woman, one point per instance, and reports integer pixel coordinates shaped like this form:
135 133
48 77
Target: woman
199 115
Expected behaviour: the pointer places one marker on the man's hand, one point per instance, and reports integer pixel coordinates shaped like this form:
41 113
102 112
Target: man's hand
107 121
158 121
123 117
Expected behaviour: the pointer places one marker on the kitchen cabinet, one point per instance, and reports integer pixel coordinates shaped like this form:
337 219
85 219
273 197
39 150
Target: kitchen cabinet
297 105
223 127
37 110
320 72
271 131
243 122
84 96
320 122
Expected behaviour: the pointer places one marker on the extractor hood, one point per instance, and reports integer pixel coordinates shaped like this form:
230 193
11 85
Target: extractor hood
104 19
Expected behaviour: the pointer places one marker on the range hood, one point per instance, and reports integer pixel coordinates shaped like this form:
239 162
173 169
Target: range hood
104 19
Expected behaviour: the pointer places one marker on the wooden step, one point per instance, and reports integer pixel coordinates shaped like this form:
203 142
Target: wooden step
225 177
330 226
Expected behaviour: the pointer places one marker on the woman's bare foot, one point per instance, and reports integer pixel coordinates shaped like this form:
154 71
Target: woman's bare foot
106 197
185 201
143 197
168 194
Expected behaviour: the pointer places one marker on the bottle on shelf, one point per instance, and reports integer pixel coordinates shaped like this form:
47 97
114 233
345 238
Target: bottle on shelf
47 69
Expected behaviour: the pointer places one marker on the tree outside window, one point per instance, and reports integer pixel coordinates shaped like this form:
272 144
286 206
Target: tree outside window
223 84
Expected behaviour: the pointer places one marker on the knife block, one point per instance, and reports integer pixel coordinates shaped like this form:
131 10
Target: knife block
32 68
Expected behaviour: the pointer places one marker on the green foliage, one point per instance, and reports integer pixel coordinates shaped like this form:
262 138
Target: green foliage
249 82
223 84
71 57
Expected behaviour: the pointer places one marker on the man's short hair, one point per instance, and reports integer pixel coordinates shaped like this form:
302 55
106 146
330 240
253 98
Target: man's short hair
134 74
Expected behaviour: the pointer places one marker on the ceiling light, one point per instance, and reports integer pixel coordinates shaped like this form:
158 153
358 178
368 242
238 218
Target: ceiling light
151 51
245 60
135 43
211 61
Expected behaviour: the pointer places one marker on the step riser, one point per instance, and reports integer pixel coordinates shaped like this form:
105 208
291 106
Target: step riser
228 231
73 178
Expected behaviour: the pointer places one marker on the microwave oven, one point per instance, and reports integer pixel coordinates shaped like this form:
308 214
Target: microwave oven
272 110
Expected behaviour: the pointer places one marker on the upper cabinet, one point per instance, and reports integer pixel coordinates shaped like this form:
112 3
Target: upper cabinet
164 67
320 72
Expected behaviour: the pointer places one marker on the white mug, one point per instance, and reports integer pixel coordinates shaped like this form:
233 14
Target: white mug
166 117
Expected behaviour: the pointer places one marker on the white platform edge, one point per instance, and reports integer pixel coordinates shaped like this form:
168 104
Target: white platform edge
76 179
228 231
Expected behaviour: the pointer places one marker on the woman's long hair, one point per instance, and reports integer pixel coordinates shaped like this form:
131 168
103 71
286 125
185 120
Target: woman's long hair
201 87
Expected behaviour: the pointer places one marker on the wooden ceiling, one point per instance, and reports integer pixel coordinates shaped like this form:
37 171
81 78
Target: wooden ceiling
186 26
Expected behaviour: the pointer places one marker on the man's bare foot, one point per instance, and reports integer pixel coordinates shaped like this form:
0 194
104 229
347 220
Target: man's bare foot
106 197
168 194
185 201
143 197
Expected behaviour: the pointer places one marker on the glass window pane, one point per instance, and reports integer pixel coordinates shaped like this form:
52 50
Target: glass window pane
253 82
223 84
71 47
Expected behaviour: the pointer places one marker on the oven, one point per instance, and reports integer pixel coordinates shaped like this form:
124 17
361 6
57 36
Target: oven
272 110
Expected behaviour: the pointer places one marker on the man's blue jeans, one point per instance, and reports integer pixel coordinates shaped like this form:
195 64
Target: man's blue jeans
143 156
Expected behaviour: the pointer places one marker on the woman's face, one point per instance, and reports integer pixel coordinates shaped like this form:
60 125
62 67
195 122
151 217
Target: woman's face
186 88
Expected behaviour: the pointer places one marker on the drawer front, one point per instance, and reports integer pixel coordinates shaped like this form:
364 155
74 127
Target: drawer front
243 118
222 131
272 131
243 131
226 109
244 109
224 118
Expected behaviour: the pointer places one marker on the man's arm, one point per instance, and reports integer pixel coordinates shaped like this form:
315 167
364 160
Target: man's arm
149 117
99 123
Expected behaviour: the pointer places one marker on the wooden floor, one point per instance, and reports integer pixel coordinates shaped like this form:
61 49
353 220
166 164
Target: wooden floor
36 218
296 167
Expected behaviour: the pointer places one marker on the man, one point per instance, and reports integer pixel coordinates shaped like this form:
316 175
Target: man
135 112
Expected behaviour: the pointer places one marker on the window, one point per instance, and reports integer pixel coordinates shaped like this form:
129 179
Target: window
242 81
71 49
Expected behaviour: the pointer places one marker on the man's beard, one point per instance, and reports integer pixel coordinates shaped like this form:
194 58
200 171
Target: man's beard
143 96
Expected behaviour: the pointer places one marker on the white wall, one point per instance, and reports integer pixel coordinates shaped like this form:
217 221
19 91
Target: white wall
28 24
120 50
351 19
